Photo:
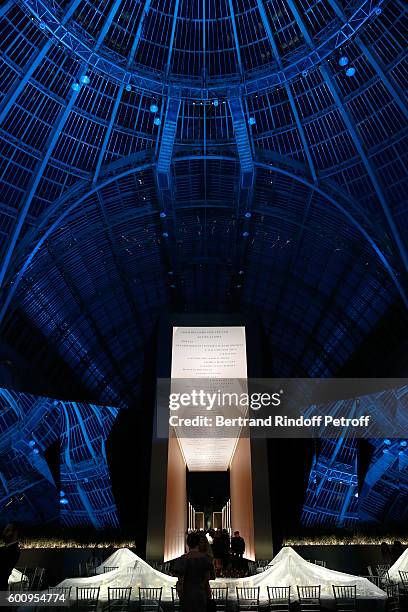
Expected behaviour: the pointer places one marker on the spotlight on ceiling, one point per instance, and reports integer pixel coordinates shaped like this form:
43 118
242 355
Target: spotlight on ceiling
343 61
350 71
154 108
245 234
252 121
128 87
162 215
157 121
215 102
247 215
85 80
75 86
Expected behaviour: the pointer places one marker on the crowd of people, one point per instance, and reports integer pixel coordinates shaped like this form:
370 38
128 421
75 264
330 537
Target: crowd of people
210 554
227 553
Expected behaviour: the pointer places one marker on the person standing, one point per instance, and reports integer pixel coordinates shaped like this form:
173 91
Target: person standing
9 554
225 547
194 571
237 545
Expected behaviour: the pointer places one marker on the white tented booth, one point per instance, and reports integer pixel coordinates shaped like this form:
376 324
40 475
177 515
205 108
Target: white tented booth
16 576
401 565
287 569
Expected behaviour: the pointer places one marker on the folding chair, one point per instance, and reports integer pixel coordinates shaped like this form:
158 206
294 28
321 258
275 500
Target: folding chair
279 598
345 597
87 598
119 599
219 598
309 598
150 599
248 598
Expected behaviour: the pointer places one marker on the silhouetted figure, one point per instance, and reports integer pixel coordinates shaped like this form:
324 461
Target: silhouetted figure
397 550
217 552
225 547
237 545
194 570
386 554
9 554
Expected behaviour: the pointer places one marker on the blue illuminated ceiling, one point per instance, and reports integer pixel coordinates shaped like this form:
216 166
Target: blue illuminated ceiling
201 155
29 425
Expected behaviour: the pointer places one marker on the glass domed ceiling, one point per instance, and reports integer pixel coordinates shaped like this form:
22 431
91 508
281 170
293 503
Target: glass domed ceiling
205 41
124 193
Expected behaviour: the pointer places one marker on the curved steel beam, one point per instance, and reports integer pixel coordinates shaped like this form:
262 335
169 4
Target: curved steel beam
349 123
289 93
375 62
14 93
236 41
37 176
47 231
113 66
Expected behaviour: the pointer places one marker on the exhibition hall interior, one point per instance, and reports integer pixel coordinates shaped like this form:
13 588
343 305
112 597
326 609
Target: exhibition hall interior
204 199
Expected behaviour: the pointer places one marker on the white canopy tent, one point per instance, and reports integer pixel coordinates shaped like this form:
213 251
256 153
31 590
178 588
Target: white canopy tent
17 576
121 558
288 569
401 565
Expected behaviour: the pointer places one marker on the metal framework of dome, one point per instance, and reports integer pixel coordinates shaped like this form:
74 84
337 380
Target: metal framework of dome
208 155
